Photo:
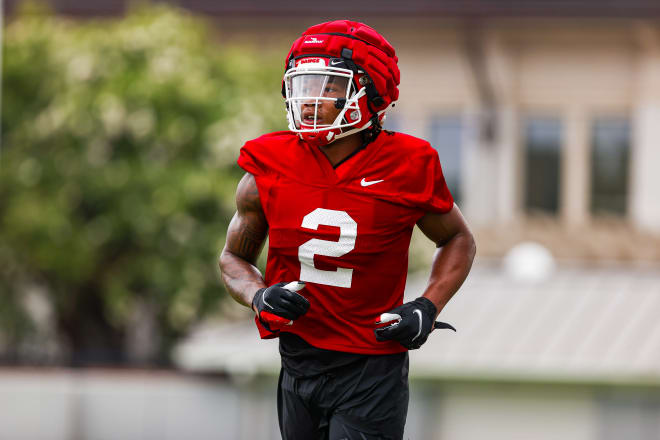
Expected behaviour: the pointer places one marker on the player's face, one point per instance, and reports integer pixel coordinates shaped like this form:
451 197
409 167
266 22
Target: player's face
322 92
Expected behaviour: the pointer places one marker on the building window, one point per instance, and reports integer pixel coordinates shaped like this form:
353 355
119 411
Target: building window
542 159
610 141
445 136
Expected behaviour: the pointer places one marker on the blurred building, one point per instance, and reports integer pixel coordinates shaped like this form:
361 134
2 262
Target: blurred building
546 116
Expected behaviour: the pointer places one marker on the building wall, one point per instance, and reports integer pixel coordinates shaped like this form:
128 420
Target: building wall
569 71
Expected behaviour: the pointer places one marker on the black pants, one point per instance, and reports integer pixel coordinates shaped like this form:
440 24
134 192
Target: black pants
365 400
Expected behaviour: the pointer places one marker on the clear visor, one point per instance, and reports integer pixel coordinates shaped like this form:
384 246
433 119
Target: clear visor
318 86
312 98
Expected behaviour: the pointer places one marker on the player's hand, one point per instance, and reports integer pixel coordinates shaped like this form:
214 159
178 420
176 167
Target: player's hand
279 305
411 323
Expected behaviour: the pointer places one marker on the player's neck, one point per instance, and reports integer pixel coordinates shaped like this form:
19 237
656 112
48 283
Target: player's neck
342 148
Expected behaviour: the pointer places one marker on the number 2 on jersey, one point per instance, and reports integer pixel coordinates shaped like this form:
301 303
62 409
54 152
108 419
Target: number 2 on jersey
341 277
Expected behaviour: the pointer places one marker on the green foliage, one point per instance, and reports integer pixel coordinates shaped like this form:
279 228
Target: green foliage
119 139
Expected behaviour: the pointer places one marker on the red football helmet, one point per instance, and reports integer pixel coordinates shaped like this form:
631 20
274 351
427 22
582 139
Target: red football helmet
344 62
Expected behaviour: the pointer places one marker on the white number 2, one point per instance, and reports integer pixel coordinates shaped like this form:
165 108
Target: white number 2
341 277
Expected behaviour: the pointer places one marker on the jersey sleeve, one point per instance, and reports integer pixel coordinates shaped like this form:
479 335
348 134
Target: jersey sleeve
422 185
251 158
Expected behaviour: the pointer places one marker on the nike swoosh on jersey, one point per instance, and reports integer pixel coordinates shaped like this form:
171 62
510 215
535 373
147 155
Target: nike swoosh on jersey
372 182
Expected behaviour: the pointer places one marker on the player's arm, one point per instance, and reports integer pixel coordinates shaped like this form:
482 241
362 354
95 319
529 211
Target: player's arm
411 323
246 236
277 305
453 258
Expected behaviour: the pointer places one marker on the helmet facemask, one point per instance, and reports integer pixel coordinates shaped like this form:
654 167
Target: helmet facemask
322 99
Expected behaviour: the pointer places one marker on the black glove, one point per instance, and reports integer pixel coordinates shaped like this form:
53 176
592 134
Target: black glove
413 321
279 305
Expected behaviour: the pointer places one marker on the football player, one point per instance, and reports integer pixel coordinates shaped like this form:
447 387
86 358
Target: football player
338 198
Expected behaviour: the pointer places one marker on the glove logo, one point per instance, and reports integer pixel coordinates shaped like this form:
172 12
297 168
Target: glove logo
419 315
409 324
266 302
283 302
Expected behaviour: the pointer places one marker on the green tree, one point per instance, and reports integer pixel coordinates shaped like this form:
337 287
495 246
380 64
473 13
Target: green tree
119 139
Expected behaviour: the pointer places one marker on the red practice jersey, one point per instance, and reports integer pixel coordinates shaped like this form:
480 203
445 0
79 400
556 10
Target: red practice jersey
344 231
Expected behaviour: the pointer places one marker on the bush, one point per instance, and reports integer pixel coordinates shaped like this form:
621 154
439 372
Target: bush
118 146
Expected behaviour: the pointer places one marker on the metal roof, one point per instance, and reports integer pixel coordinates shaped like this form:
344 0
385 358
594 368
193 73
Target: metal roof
585 325
582 324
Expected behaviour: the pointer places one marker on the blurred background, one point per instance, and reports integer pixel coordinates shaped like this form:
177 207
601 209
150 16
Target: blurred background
121 124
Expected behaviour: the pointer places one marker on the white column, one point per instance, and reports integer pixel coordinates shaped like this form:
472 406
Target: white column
645 184
480 174
644 200
502 73
492 169
508 147
575 171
